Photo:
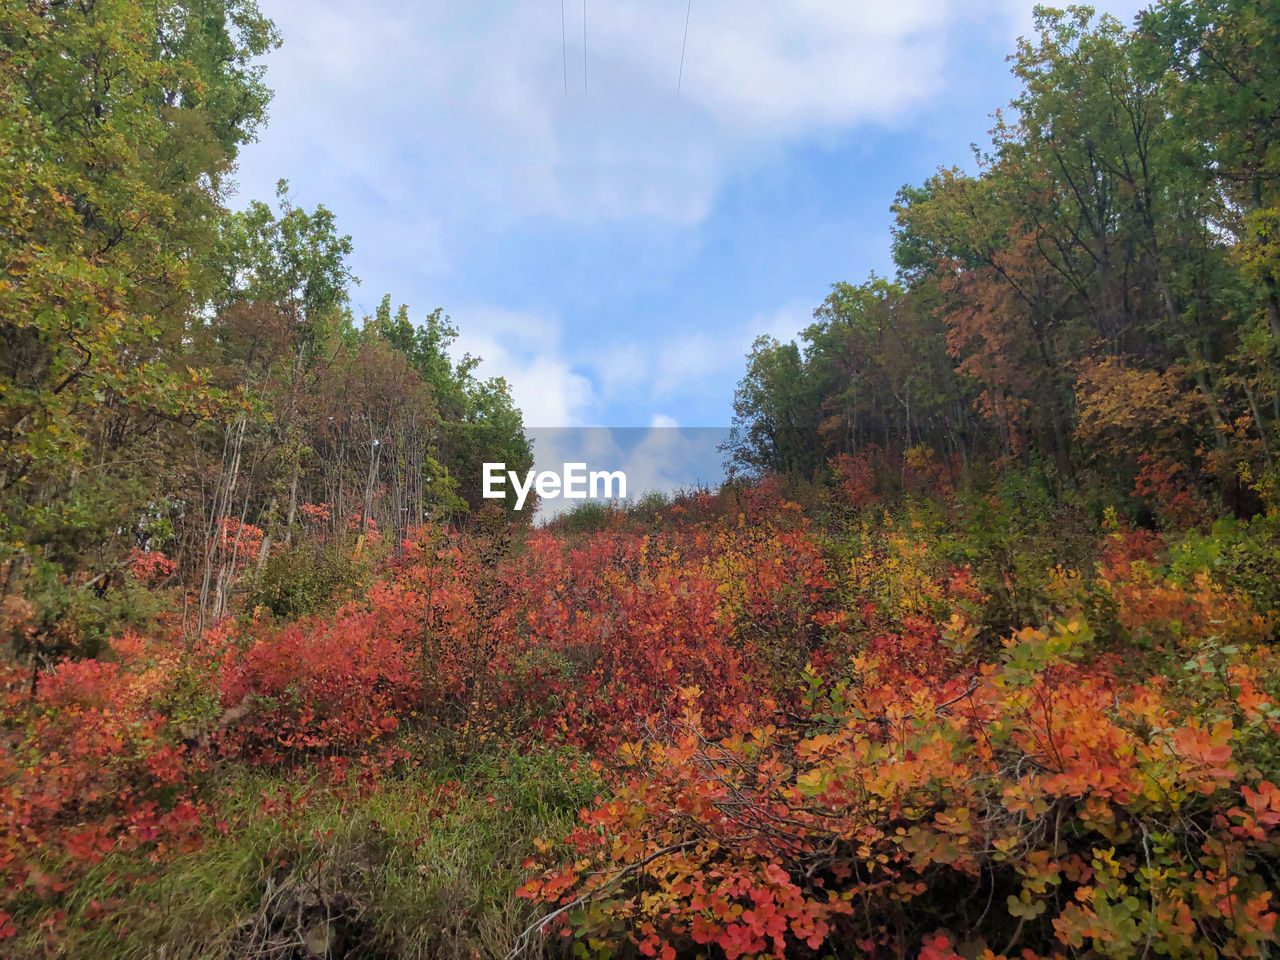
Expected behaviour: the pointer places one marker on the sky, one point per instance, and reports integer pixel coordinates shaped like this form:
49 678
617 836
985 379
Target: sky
608 230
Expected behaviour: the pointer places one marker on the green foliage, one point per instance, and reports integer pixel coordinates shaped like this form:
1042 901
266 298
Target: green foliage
120 122
420 867
776 411
310 577
296 260
1241 555
590 516
480 422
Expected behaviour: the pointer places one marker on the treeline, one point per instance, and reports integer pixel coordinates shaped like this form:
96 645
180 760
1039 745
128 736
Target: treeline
1102 295
181 387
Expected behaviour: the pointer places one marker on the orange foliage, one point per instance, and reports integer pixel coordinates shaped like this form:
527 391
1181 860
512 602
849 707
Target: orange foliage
805 747
88 769
1046 787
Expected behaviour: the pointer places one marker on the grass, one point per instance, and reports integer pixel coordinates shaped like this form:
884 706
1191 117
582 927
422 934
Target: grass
424 866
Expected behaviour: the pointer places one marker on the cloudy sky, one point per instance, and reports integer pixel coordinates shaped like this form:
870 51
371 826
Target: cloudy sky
614 250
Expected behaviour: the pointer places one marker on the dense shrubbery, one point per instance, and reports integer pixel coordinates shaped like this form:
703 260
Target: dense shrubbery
801 738
1038 807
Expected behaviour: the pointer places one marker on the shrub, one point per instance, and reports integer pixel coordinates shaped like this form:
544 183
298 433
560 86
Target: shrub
1043 808
308 577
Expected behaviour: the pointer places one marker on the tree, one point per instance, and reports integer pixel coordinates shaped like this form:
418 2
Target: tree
480 422
776 412
121 121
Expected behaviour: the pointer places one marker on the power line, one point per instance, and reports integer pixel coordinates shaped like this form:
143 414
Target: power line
684 43
564 50
584 46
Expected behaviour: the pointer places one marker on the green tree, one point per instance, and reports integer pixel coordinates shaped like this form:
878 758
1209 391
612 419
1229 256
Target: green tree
121 120
479 420
776 413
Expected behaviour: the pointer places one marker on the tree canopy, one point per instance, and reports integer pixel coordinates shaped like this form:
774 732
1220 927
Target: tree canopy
1100 292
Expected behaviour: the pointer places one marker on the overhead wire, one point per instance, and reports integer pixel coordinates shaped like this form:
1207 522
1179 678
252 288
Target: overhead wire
683 44
564 47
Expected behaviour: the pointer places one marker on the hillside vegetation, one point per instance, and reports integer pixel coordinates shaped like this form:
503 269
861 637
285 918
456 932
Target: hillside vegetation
973 658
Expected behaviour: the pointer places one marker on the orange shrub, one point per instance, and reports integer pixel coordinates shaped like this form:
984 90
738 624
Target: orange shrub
1042 808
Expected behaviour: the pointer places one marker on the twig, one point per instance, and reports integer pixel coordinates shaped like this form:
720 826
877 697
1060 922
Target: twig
938 709
522 941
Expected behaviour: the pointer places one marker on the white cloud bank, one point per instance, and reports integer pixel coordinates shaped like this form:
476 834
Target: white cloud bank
554 384
449 115
527 350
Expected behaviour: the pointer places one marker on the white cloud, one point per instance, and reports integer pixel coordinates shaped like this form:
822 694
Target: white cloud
662 370
452 117
526 349
557 385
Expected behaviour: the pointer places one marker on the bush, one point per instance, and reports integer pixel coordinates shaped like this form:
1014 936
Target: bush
308 577
1043 807
1237 554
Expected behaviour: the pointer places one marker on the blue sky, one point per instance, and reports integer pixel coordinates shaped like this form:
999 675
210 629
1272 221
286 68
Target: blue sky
614 252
